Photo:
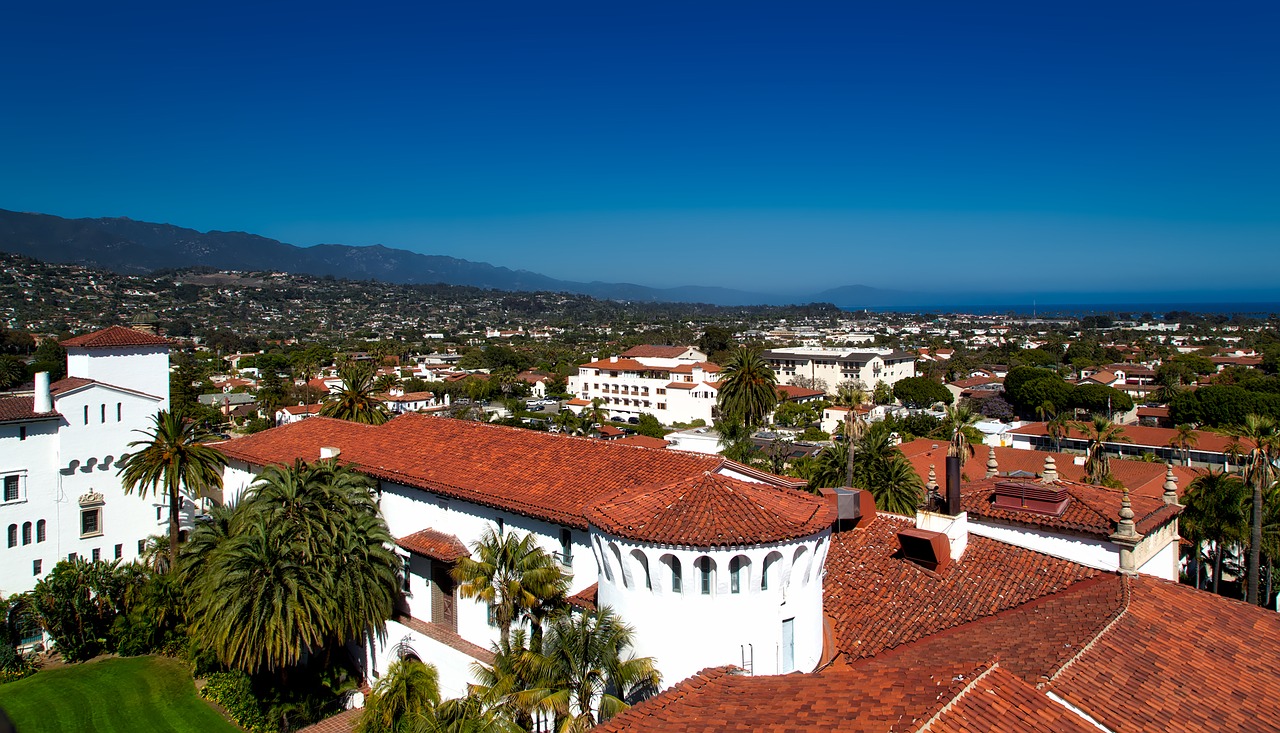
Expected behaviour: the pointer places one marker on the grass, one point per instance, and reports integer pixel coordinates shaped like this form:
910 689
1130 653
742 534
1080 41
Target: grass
109 695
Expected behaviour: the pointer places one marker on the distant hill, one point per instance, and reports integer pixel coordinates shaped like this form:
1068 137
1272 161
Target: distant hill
128 246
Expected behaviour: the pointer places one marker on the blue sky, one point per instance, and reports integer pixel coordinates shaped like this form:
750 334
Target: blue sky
786 147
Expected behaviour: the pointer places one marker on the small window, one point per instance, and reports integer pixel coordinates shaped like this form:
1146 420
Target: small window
35 567
119 411
41 534
12 487
86 414
704 575
26 533
119 551
142 545
404 569
502 525
566 546
91 522
71 557
104 412
13 535
158 515
22 432
735 575
97 554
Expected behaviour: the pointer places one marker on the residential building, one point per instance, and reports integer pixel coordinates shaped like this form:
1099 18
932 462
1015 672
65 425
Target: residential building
675 384
60 450
832 366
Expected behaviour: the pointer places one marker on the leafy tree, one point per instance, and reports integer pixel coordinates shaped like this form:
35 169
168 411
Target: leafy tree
355 400
587 667
996 408
172 456
77 603
794 415
1097 398
50 357
1197 363
403 700
748 388
514 577
650 426
1262 436
921 392
12 371
715 339
882 394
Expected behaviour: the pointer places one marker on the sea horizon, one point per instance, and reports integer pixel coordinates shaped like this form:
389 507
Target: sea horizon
1134 310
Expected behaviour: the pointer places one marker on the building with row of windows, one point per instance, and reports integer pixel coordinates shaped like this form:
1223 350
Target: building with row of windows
675 384
834 365
60 450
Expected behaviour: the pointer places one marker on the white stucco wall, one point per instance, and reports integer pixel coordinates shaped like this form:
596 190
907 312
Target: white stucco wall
1090 552
686 630
143 369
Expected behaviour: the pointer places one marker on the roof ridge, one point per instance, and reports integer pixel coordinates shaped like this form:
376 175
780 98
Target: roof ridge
1124 608
994 664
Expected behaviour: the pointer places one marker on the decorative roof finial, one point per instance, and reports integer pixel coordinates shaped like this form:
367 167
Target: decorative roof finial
1170 485
932 483
993 468
1125 527
1050 469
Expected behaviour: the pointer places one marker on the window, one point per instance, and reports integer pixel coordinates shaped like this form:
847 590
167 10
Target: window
26 533
12 487
735 575
91 522
502 525
158 510
677 581
142 545
41 534
119 411
13 535
97 554
35 567
71 557
119 551
704 575
22 432
104 412
566 546
86 414
404 583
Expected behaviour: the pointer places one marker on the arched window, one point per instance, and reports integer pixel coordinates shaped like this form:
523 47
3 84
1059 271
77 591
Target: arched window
706 581
800 566
604 562
769 574
673 566
640 569
617 558
739 574
40 531
26 533
13 535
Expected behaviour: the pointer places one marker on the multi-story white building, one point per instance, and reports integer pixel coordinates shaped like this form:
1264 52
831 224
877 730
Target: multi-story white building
675 384
835 365
60 450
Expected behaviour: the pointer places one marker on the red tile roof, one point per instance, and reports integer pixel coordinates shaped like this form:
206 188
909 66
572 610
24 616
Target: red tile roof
681 385
711 510
1091 510
646 441
878 600
13 409
648 351
585 598
435 545
792 392
343 722
115 337
629 365
446 636
552 477
1000 702
304 409
1141 435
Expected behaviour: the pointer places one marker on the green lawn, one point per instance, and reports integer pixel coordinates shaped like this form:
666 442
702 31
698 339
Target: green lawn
134 694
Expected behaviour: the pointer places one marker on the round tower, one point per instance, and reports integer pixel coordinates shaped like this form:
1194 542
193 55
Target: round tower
712 570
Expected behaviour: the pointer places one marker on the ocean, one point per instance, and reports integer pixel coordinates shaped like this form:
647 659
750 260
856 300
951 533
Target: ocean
1136 310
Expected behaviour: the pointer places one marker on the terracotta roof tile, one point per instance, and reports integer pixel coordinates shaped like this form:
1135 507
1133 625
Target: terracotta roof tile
115 337
1000 702
14 409
1091 510
649 351
646 441
878 600
792 392
446 636
1141 435
343 722
585 598
711 510
435 545
555 477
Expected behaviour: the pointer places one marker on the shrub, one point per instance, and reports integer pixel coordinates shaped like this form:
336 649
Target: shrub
234 692
14 666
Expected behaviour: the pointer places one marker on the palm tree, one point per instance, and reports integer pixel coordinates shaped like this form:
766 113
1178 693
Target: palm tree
958 424
1184 440
1046 411
881 468
12 371
830 467
1100 431
355 400
514 576
403 700
303 565
385 383
1259 473
596 412
748 388
851 395
1057 428
173 456
587 670
1215 511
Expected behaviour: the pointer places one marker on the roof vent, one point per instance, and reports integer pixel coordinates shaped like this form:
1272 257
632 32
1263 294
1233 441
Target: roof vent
854 507
1031 496
929 550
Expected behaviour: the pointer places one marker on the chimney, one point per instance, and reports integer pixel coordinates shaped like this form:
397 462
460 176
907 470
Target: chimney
42 401
613 359
328 452
953 485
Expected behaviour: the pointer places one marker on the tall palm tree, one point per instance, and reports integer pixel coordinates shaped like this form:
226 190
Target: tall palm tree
851 395
1184 439
1099 431
1216 511
355 400
403 700
958 425
882 469
748 388
1057 428
386 382
12 371
174 457
1261 435
514 576
1046 411
587 670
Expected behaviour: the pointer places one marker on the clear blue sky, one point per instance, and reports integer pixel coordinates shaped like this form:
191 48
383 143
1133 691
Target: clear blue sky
1020 146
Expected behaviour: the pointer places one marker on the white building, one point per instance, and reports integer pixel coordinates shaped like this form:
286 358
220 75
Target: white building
60 449
835 365
443 482
675 384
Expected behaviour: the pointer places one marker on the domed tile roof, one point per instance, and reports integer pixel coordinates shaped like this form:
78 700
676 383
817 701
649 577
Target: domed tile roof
711 510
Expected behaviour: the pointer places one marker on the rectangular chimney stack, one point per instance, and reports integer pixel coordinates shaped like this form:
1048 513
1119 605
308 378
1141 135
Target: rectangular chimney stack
953 485
42 401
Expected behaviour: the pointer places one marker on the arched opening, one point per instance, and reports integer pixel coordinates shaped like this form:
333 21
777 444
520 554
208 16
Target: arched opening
604 561
13 535
769 573
739 574
674 573
706 568
800 567
640 570
617 558
41 533
26 533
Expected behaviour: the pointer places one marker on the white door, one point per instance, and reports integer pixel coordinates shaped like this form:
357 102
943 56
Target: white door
788 645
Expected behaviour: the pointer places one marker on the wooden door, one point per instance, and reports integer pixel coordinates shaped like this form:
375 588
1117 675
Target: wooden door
444 608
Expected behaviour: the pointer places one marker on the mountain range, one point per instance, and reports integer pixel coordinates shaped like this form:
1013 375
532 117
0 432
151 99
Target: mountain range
138 247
